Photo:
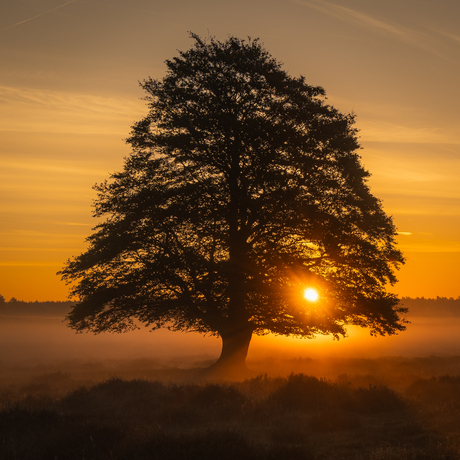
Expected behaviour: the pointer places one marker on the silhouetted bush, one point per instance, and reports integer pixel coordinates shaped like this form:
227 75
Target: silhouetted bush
442 393
119 399
299 417
224 444
302 392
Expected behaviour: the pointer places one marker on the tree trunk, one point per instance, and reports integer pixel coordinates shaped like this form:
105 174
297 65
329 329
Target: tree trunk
232 361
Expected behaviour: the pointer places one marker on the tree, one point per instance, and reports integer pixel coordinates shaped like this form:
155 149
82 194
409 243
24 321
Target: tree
243 188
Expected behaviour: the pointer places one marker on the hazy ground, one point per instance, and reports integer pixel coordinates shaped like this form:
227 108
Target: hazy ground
136 396
31 345
381 409
45 339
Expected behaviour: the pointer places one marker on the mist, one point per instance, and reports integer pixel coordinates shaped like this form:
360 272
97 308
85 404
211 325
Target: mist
128 395
44 338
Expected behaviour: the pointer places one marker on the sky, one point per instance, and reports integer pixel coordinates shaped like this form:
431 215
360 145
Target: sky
69 94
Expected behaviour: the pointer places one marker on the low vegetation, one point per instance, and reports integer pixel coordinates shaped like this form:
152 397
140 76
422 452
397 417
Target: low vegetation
351 416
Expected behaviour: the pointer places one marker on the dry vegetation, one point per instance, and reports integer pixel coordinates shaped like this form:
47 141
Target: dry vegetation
78 411
398 408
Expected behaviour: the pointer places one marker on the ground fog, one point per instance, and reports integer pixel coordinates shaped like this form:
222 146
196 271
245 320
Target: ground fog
141 395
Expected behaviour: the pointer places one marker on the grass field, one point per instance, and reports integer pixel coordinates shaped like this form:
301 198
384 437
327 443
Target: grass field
392 408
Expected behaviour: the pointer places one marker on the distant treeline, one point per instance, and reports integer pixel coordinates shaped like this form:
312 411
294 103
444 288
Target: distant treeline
15 307
418 306
441 306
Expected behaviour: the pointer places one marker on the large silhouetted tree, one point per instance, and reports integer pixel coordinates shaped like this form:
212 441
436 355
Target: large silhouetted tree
243 188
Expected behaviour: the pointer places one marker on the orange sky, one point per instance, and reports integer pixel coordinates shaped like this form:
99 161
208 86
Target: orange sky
69 94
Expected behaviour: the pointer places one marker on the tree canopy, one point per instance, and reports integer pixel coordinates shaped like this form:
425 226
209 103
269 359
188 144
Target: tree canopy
243 188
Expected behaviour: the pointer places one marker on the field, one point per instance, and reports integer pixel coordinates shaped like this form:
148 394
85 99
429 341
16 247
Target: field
382 408
140 395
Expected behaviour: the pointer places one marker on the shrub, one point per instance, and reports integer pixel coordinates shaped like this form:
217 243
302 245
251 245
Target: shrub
302 392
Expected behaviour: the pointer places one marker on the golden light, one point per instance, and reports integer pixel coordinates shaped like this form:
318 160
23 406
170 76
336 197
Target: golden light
310 294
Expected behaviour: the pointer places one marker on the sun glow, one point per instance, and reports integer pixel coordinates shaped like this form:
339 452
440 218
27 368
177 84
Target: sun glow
310 294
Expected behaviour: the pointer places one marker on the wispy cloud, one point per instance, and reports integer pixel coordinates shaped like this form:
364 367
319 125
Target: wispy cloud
40 166
40 110
380 130
453 37
33 249
430 247
67 100
397 31
30 264
37 16
73 224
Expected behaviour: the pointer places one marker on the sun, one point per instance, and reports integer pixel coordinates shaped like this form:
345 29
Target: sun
310 294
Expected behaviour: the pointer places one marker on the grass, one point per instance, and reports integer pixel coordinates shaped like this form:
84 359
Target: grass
356 417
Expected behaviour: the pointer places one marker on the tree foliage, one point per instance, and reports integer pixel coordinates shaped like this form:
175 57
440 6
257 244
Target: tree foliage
243 187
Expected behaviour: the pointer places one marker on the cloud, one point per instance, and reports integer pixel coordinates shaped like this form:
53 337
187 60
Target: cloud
34 249
442 210
73 224
396 121
381 130
38 165
404 172
401 33
69 101
453 37
39 110
37 16
31 264
431 247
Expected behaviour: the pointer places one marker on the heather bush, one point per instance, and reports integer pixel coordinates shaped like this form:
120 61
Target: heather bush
298 417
